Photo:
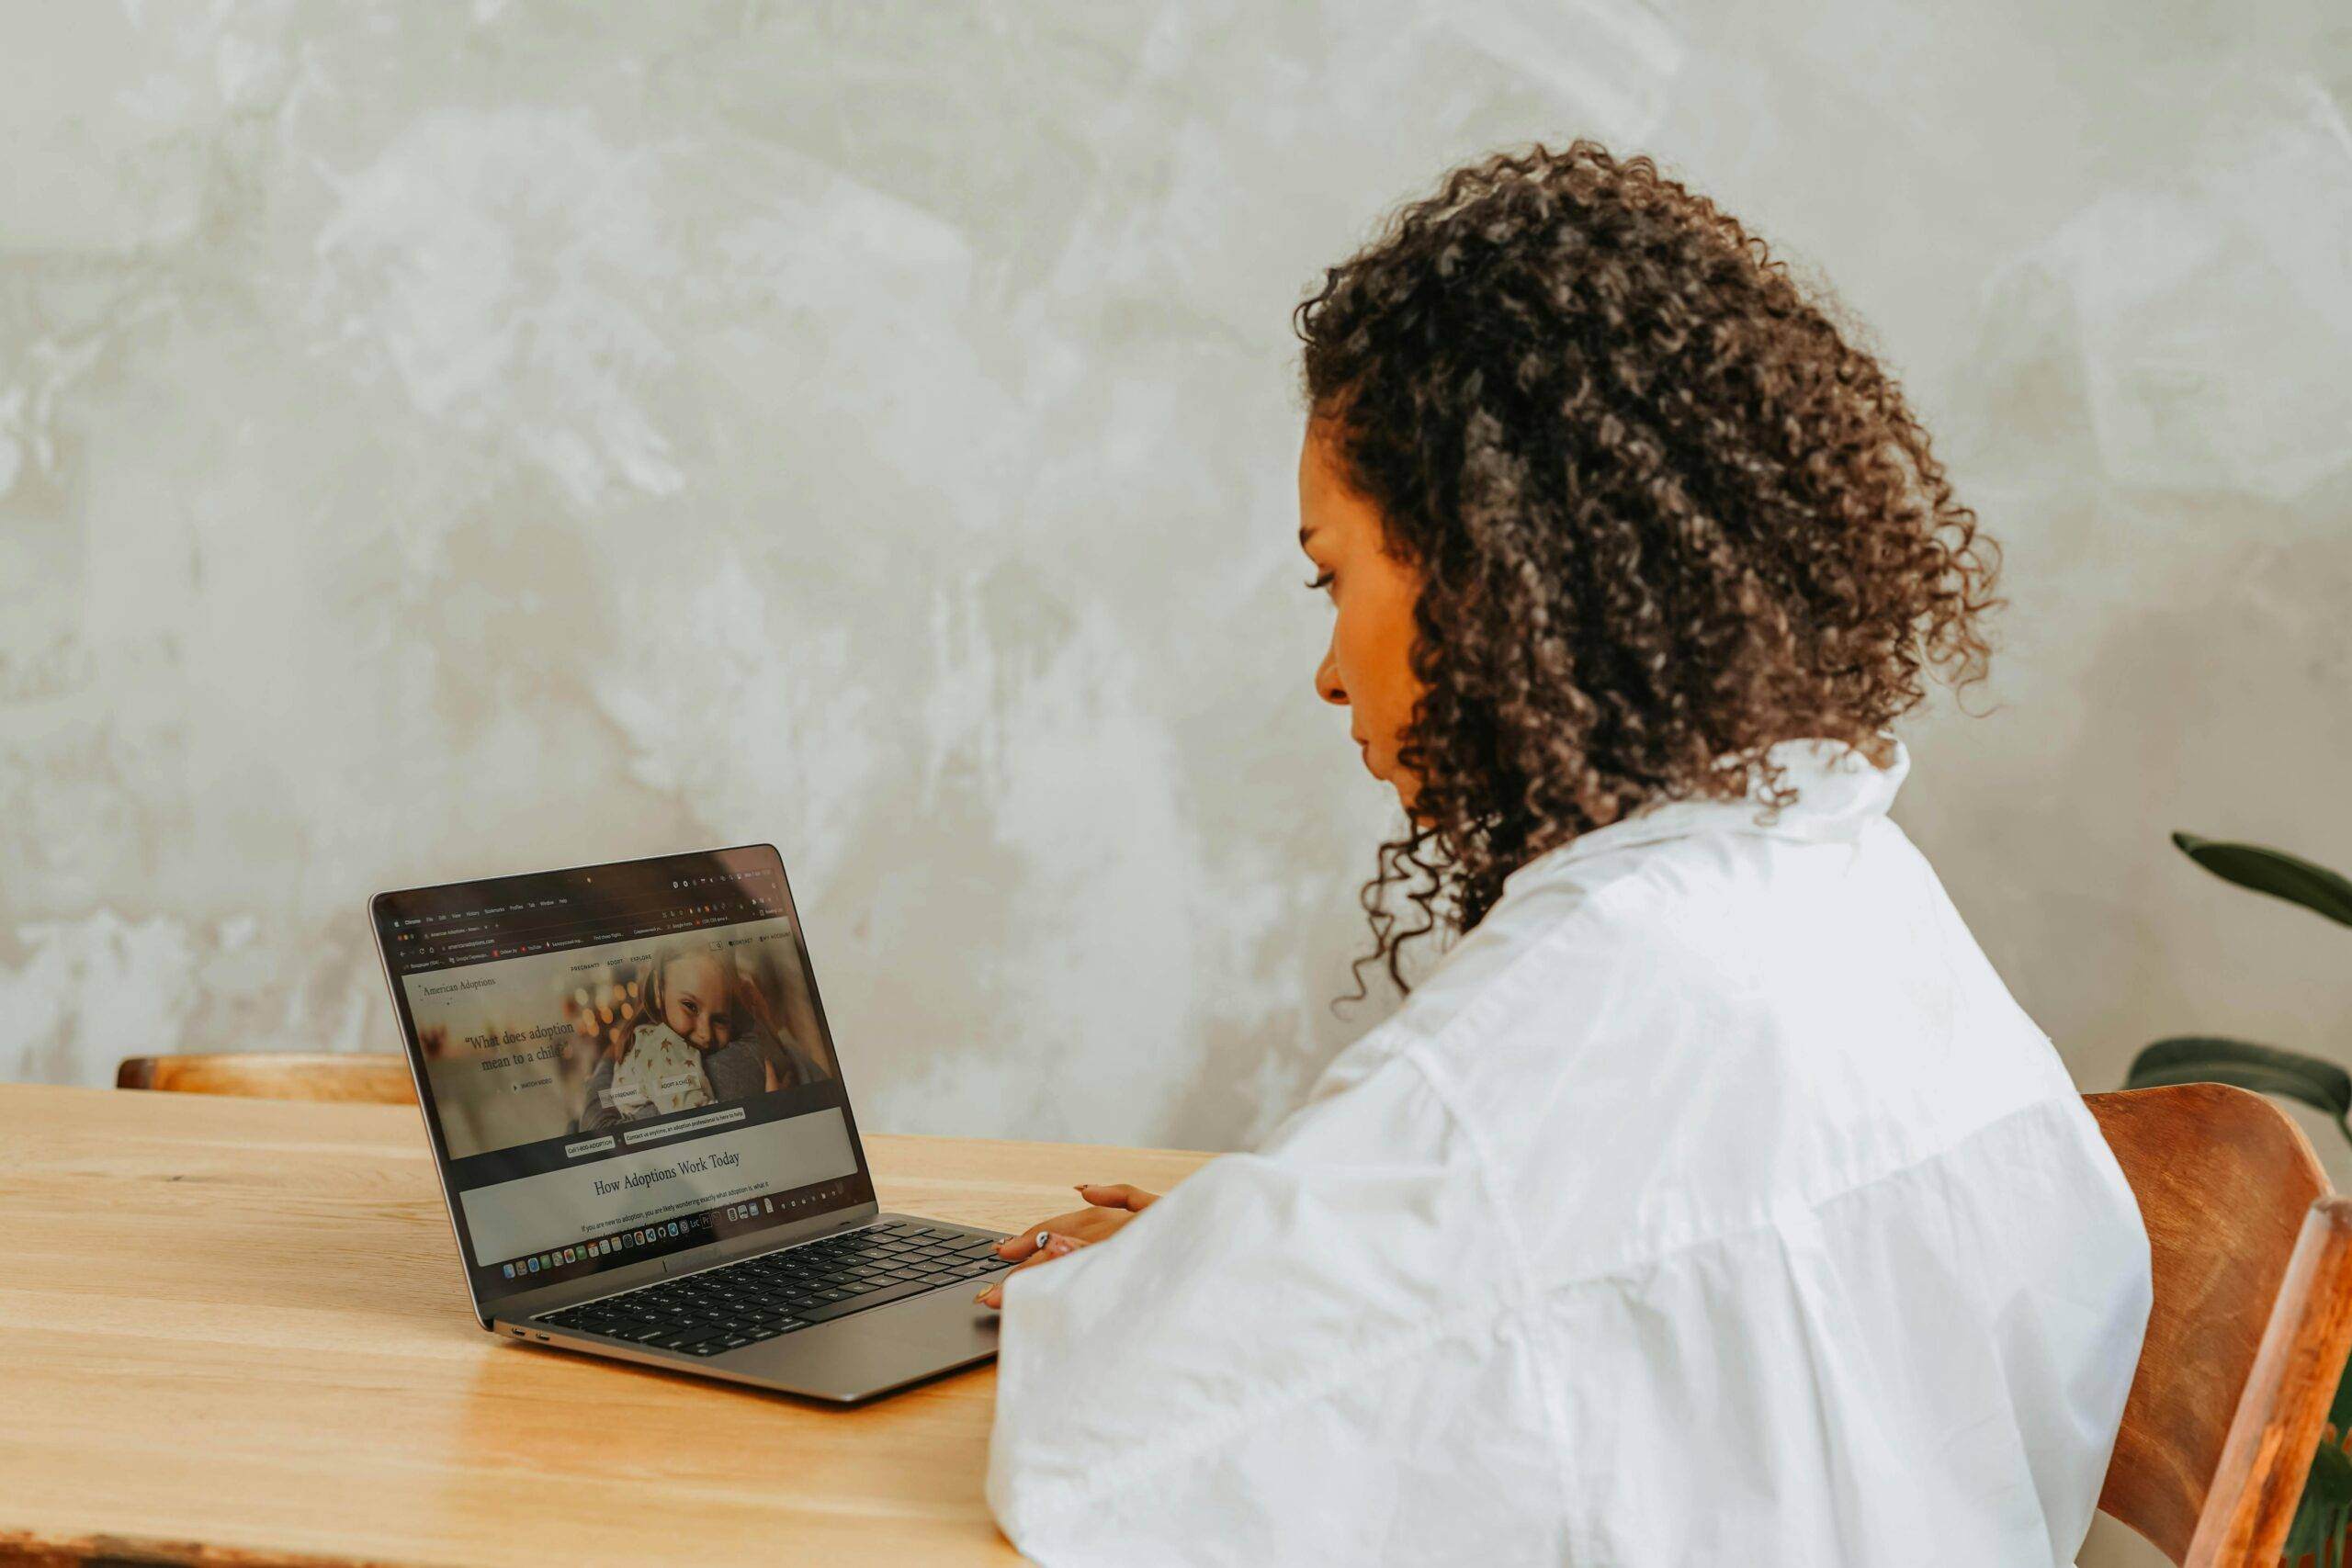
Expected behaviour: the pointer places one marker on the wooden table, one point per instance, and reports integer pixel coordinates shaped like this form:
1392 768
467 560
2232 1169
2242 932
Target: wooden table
233 1331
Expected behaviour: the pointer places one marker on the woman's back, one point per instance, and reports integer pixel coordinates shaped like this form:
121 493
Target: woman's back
1711 1200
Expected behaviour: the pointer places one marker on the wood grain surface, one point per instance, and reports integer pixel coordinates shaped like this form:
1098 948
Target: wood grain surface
233 1331
2224 1180
274 1075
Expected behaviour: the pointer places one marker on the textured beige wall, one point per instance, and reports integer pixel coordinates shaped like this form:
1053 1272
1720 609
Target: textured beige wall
435 441
438 440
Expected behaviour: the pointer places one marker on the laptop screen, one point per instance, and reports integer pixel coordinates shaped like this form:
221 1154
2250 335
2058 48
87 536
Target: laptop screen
620 1061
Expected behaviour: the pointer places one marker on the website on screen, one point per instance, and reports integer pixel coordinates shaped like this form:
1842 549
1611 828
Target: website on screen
625 1069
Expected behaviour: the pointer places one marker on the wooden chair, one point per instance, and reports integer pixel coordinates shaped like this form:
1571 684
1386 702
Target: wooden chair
274 1075
2250 1328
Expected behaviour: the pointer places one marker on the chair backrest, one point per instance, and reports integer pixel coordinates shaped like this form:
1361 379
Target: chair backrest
2251 1322
274 1075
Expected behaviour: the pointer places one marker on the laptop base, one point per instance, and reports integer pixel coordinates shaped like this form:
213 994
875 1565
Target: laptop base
845 1360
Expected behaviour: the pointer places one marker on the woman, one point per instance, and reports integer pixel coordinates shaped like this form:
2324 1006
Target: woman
1710 1201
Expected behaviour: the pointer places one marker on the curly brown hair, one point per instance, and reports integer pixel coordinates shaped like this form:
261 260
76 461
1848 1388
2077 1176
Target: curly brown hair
1665 515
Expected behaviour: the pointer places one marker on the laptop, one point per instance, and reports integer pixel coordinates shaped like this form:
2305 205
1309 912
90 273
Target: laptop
644 1137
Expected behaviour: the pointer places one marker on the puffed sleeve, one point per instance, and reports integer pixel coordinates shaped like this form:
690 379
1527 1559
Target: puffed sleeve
1315 1352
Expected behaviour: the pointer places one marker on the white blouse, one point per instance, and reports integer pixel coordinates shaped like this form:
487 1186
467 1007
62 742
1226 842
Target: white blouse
1711 1202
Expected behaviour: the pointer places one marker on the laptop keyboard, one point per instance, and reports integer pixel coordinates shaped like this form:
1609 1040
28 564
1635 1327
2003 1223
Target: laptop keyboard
740 1303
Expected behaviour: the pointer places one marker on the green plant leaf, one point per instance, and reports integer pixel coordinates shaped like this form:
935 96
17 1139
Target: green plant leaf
2265 1069
2339 1410
2273 872
2325 1510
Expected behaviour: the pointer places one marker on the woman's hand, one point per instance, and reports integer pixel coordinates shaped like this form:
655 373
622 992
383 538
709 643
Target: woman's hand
1110 1207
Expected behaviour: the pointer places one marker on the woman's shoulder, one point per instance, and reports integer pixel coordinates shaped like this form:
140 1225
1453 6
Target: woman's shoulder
1542 961
1727 986
758 1045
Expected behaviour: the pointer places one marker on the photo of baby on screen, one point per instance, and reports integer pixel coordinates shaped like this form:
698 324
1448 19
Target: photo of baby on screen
554 1044
695 1028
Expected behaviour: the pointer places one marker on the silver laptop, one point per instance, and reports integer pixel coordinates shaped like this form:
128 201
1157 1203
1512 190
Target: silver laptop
644 1138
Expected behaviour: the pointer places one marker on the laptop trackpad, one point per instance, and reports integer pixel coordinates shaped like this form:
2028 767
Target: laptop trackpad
874 1351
